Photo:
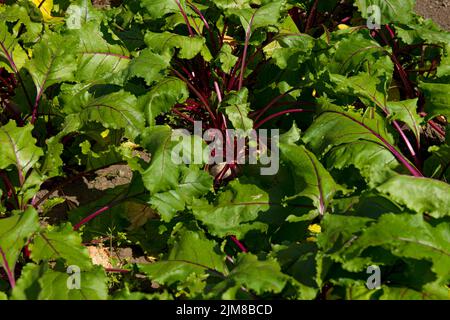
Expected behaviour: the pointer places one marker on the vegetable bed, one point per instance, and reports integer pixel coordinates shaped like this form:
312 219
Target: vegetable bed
111 187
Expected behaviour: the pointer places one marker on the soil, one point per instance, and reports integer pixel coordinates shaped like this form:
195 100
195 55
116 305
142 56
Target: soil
438 10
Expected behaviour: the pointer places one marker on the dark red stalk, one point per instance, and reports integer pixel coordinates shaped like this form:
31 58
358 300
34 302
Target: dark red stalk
186 19
271 104
401 71
239 244
9 273
437 128
312 16
198 94
259 124
183 115
202 17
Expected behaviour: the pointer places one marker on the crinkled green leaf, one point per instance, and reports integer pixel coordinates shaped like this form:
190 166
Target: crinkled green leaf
80 13
406 111
422 195
191 253
163 96
18 148
14 234
166 43
235 210
54 286
60 242
193 184
98 60
118 110
53 61
408 236
10 50
389 10
437 99
237 109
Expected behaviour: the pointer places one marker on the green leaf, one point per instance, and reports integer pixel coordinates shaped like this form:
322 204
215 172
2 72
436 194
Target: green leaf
390 10
149 66
52 165
374 162
27 287
118 110
191 253
408 236
399 293
292 51
80 13
193 184
60 242
437 99
25 17
162 97
99 61
260 276
421 195
53 61
18 148
268 15
237 109
225 58
438 165
14 234
421 30
163 173
166 42
234 211
159 8
356 51
54 286
322 135
406 111
338 230
10 51
311 179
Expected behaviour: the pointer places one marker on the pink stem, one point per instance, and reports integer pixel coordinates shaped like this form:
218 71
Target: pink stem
90 217
259 124
407 142
219 95
239 244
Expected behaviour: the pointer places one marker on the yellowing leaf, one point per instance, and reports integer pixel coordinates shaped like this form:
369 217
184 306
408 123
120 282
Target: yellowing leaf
46 6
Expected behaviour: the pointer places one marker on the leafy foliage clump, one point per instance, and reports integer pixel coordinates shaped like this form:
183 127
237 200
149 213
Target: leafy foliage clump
364 149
